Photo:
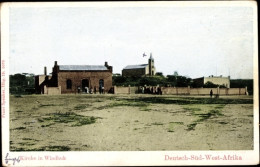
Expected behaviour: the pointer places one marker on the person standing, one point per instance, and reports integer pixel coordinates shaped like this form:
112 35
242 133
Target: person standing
78 89
103 89
211 93
100 89
95 90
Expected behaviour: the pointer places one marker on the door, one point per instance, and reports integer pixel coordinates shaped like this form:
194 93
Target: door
84 83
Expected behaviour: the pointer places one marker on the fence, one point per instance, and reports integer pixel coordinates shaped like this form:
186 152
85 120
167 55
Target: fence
185 91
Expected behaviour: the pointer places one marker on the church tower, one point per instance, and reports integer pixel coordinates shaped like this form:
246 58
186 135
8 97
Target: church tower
151 65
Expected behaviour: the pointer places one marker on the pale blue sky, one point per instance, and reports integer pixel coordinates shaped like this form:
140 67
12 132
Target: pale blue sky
194 41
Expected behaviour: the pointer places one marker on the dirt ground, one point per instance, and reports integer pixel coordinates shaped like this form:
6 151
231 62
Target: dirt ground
130 123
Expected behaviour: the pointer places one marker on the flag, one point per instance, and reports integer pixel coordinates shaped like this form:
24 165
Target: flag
144 55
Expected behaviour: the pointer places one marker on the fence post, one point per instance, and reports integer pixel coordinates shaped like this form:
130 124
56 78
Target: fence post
218 91
188 90
114 89
227 91
129 89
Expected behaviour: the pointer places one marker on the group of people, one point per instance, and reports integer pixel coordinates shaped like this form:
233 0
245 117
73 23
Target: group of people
151 90
91 91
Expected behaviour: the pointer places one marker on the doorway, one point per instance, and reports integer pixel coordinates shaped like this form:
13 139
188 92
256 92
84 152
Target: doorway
84 83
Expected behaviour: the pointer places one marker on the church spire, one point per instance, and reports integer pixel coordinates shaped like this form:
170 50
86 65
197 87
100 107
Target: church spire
151 56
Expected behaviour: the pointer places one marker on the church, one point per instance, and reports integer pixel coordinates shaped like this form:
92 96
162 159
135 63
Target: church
140 70
74 79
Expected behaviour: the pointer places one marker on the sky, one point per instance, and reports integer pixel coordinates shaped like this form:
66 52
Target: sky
194 41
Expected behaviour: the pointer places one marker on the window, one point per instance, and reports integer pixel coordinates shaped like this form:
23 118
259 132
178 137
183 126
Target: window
69 84
101 83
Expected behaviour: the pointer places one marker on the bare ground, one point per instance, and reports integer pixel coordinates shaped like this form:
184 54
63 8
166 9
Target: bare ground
130 123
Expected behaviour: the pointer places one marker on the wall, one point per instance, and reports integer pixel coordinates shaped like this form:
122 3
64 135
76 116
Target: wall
234 91
203 91
185 91
52 90
175 90
121 90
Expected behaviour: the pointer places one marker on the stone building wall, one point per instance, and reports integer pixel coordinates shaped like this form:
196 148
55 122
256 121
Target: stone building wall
215 80
77 77
135 72
218 80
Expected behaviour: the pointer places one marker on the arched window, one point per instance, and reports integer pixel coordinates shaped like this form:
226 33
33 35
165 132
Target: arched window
101 83
69 84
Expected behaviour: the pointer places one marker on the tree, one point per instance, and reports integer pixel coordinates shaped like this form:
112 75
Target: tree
210 85
175 73
179 81
22 83
159 74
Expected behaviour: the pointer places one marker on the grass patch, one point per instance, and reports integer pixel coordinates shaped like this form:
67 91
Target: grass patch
57 148
47 148
68 117
46 105
178 123
47 125
221 122
26 144
29 139
40 120
192 109
98 100
190 100
157 123
172 125
18 96
216 112
19 111
20 128
143 106
85 121
81 106
191 126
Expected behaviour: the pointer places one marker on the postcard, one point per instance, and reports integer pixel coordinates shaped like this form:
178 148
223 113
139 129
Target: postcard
129 83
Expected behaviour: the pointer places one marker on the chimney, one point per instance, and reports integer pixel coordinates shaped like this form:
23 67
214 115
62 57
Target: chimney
55 63
45 70
106 64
